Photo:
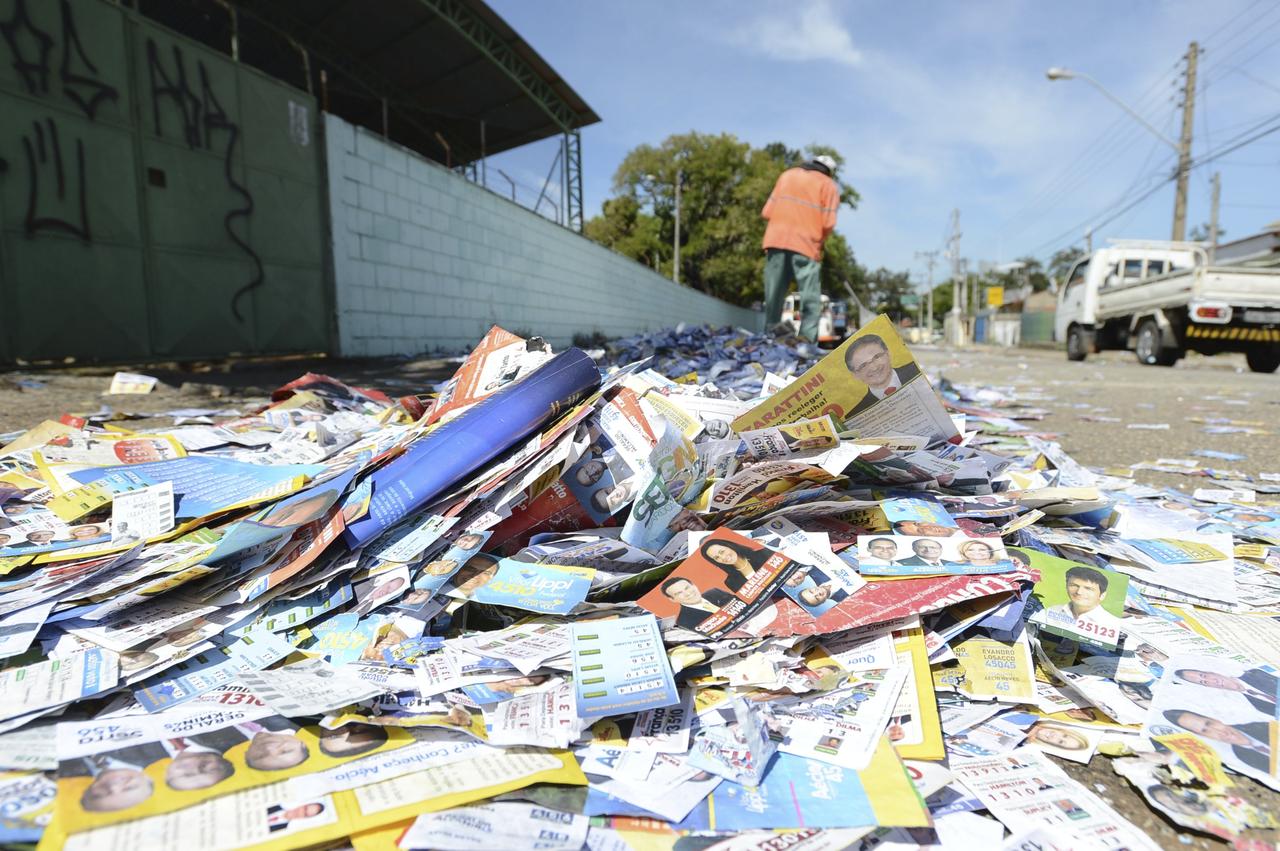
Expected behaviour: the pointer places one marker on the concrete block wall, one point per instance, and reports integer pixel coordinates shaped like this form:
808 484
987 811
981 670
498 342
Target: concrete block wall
425 260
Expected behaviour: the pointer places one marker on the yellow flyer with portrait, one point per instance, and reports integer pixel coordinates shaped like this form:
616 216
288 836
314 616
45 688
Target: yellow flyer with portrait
276 817
131 768
871 383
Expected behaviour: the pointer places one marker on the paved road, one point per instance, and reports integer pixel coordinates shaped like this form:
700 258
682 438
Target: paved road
1115 385
245 385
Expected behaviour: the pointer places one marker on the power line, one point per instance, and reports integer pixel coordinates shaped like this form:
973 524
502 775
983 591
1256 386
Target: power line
1093 222
1231 145
1116 138
1102 149
1212 77
1248 76
1208 39
1136 132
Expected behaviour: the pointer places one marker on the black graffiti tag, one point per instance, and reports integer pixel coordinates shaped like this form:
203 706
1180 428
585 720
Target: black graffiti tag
55 179
32 50
202 115
43 149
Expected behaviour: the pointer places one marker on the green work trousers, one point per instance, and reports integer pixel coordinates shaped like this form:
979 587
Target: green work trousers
781 267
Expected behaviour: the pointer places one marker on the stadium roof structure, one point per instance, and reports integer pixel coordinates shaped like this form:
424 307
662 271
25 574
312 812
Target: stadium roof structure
449 79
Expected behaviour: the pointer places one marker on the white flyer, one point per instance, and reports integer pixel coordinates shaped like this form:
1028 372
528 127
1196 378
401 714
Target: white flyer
139 515
57 681
131 382
437 673
665 729
33 748
410 543
546 719
505 824
812 548
526 646
310 687
175 619
849 736
18 629
1026 790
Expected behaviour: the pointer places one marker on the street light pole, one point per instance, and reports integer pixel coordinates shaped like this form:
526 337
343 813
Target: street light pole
1182 147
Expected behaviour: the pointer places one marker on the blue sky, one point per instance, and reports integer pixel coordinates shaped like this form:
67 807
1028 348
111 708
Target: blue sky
935 106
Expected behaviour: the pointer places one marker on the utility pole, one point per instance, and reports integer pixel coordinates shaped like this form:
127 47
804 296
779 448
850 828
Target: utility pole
919 313
1088 240
931 258
955 320
1213 215
1184 144
675 242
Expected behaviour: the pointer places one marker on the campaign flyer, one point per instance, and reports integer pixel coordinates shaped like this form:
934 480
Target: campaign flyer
725 581
620 666
543 588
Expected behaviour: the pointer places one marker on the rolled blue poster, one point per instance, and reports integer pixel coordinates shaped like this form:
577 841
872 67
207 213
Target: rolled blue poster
458 449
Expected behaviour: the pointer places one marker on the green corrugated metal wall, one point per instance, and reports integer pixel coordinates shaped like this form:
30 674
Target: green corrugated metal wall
156 198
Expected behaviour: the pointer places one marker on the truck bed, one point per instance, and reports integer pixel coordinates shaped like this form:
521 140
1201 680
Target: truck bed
1233 285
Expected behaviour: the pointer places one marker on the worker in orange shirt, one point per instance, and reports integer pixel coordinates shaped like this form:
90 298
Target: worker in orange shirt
801 212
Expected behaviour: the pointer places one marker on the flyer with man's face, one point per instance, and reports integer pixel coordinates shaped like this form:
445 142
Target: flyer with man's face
1082 602
725 580
871 383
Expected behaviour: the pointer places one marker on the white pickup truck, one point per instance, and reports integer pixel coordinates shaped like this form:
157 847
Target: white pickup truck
1162 299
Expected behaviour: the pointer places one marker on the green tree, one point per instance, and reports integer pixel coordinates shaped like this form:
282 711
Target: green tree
1033 273
943 294
630 231
887 290
1061 261
725 183
1200 233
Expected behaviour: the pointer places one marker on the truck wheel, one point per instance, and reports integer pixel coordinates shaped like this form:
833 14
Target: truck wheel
1263 360
1148 347
1077 344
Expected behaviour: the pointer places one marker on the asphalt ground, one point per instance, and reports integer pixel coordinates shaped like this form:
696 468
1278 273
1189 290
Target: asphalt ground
29 396
1110 385
1114 384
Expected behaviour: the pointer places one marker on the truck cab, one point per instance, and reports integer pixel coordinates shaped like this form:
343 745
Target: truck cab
1161 299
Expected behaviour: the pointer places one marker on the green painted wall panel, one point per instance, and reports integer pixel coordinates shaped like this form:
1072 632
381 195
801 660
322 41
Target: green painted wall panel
80 299
285 319
201 231
55 186
192 300
278 236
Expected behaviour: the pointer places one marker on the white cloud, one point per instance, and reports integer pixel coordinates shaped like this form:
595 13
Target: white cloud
815 35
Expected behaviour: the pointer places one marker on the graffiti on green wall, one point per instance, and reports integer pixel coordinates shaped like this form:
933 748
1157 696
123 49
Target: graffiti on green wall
56 64
56 197
204 125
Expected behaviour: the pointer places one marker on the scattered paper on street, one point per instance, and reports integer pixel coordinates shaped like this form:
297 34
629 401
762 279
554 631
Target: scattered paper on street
688 590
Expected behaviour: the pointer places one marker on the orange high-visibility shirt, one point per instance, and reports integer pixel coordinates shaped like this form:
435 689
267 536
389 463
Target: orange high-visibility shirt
801 211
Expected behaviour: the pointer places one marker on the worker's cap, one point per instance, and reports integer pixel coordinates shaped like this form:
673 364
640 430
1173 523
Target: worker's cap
827 162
